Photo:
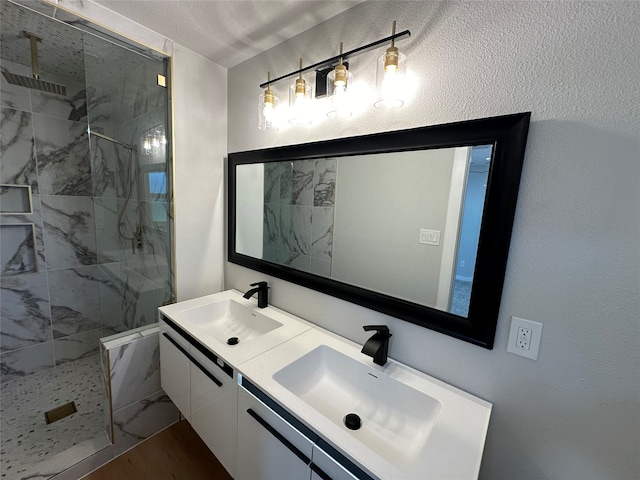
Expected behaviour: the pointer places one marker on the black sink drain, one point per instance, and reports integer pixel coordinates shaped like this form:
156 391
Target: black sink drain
233 341
352 421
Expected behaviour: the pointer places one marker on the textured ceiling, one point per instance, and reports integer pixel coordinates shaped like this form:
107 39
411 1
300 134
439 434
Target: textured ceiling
229 32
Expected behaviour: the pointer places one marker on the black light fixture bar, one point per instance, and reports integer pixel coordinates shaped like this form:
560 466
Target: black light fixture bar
335 59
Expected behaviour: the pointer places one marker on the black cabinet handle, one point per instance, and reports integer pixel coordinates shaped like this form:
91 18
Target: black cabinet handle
318 471
206 372
194 343
193 360
279 436
176 344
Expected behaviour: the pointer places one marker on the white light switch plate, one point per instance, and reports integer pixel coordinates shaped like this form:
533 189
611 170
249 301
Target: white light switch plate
524 338
429 237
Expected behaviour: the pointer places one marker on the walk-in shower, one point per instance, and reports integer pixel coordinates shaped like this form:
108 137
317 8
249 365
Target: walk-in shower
85 225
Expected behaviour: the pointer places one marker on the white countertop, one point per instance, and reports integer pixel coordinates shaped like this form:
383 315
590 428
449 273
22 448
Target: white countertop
453 448
235 355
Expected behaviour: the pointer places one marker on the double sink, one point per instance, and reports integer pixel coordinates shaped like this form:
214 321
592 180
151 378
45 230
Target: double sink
408 424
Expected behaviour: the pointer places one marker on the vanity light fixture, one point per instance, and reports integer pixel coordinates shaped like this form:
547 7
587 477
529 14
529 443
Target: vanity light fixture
299 101
267 108
390 76
338 89
333 79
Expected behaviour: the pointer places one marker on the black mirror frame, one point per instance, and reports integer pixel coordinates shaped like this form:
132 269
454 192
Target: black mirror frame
507 134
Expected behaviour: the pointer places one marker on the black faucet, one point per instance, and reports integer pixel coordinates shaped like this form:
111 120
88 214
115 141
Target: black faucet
378 345
263 293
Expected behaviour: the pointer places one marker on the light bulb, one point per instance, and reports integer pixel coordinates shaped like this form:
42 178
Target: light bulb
390 80
340 89
268 111
391 89
389 77
300 101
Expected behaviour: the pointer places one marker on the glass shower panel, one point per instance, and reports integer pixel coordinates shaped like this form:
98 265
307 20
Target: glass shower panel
128 117
85 225
50 320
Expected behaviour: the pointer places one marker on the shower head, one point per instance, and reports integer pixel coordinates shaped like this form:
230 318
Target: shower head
34 82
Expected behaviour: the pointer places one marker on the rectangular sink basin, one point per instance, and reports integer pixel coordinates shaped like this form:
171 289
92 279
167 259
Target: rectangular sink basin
396 419
230 318
213 319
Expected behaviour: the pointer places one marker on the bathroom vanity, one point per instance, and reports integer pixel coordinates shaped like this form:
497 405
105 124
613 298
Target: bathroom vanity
275 397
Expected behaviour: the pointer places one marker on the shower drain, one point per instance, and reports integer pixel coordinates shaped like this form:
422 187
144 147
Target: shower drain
60 412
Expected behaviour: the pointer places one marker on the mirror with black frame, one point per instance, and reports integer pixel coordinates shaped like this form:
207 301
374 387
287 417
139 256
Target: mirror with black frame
413 223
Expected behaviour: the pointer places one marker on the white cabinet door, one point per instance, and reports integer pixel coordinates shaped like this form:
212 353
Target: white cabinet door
325 467
214 408
269 448
174 368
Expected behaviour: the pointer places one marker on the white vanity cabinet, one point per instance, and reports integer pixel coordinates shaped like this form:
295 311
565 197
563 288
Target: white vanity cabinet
203 387
274 445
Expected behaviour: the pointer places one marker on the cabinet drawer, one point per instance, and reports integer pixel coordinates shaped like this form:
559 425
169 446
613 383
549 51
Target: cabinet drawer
269 447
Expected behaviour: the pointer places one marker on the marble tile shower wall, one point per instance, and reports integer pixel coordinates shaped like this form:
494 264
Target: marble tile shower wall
74 280
298 215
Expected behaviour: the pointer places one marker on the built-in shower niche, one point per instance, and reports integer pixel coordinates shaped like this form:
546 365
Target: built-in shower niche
16 200
18 251
17 246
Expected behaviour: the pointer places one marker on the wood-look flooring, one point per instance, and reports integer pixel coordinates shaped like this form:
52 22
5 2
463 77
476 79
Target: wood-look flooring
176 453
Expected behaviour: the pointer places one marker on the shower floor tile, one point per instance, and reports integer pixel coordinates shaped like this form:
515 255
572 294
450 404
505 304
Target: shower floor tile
26 438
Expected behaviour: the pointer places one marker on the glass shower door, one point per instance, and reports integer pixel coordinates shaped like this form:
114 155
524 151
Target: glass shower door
127 106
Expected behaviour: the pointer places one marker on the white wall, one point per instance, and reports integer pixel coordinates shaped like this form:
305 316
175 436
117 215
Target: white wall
574 261
250 228
382 202
200 110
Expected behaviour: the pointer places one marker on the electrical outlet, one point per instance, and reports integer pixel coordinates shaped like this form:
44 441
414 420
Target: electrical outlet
524 338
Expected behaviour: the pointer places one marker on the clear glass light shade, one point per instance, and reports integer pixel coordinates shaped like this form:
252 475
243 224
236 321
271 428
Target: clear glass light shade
339 93
300 103
268 111
390 80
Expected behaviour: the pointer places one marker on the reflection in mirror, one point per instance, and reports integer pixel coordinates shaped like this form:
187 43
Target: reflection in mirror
413 223
405 224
